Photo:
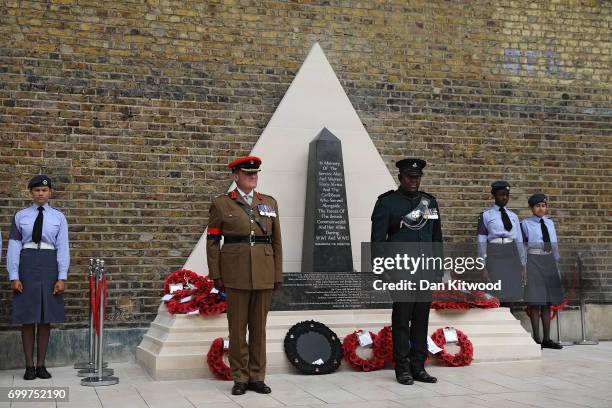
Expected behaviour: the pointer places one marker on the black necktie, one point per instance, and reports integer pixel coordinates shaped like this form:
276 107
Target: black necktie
505 219
37 231
545 235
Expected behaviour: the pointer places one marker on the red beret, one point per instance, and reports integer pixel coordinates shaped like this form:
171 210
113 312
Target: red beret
249 164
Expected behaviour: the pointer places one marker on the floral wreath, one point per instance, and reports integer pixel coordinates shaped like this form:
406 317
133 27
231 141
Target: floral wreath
349 350
459 300
383 345
203 302
214 358
462 358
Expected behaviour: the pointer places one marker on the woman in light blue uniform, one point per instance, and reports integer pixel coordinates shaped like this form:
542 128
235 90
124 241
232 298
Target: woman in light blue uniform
500 242
38 258
543 279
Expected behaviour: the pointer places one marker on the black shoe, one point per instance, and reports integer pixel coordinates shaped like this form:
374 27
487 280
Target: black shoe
404 378
30 373
41 372
239 388
423 376
259 387
551 345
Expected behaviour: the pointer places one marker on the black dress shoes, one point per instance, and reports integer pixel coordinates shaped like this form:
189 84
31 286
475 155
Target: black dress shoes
404 378
259 387
41 372
551 345
30 373
239 388
423 376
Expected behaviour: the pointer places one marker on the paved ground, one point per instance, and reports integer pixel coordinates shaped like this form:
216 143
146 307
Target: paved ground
578 376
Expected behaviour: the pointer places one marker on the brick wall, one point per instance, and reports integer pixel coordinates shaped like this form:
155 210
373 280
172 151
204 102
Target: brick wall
135 109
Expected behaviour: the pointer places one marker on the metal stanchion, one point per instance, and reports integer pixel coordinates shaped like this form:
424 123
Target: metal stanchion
102 376
92 334
584 341
561 342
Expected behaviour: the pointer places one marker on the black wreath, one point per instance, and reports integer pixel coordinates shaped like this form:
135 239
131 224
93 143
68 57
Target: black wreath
291 341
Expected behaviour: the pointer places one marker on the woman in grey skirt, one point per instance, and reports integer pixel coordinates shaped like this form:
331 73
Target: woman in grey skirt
38 258
543 280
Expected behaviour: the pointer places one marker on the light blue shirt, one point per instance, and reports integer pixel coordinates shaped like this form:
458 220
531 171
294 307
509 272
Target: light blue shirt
491 226
54 231
532 232
247 197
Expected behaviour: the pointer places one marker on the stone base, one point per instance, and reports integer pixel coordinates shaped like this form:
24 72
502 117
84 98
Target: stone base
175 346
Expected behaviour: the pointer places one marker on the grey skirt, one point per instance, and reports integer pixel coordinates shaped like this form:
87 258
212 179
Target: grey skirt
37 303
543 281
504 264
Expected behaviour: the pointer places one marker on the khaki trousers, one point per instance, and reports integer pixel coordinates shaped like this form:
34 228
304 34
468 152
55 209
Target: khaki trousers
247 308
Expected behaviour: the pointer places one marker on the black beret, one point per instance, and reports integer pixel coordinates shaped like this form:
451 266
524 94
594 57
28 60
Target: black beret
500 185
537 198
40 180
411 166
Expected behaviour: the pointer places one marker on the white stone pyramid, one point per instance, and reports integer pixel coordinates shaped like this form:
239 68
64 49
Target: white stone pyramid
315 99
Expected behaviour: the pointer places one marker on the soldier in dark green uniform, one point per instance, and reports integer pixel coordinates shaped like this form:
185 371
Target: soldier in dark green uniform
410 215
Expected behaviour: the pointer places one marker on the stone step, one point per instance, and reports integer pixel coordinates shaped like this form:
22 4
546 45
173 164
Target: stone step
176 345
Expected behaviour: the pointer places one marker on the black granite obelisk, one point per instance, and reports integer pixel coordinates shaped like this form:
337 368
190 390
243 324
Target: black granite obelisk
327 237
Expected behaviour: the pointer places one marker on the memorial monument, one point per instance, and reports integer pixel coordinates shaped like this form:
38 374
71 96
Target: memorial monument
318 156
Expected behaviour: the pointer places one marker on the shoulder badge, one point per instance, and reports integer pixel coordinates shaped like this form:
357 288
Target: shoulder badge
428 195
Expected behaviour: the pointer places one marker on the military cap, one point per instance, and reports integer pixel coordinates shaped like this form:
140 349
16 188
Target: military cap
247 164
39 180
537 198
500 185
411 166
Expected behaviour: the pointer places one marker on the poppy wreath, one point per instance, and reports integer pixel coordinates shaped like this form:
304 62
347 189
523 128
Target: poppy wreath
449 299
383 345
214 359
482 300
202 300
349 350
462 358
183 276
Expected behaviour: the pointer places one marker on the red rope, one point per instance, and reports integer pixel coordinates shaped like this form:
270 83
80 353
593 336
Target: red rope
92 298
97 317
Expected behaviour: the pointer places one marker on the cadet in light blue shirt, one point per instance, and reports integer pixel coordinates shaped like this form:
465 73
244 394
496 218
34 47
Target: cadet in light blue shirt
543 280
500 242
37 261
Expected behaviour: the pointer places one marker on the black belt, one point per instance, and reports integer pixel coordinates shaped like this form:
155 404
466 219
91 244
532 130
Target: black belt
248 239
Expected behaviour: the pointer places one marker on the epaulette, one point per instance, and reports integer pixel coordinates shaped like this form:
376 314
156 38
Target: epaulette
386 194
428 195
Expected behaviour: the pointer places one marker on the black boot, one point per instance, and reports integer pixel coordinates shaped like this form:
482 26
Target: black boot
30 373
239 388
259 387
41 372
551 345
404 377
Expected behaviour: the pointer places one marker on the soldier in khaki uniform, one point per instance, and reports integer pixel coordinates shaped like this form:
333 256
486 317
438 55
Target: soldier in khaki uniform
247 267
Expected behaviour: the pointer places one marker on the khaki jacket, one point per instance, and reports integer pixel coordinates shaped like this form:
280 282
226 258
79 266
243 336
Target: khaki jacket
241 265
